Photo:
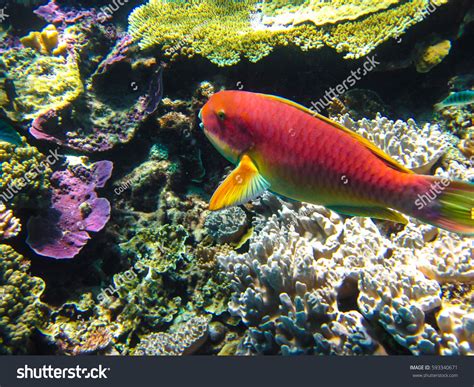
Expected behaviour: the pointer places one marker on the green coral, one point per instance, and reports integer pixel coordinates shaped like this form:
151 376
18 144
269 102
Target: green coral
160 250
21 310
225 31
41 82
25 173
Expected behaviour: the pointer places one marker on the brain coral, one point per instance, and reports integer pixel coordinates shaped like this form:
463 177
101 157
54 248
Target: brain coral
20 306
224 32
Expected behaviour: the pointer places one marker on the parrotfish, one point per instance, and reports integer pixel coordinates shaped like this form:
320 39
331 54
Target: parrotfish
459 98
291 151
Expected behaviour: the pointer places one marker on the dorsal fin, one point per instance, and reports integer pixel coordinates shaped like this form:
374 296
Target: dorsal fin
374 149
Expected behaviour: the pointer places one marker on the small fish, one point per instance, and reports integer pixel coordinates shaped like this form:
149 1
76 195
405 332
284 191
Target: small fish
459 98
8 134
286 148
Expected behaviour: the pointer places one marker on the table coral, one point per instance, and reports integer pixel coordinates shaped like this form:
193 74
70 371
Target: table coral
284 13
21 310
225 32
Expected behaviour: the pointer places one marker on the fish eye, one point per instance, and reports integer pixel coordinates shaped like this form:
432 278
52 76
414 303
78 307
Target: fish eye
221 115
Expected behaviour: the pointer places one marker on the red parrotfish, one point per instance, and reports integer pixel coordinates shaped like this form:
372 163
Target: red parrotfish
291 151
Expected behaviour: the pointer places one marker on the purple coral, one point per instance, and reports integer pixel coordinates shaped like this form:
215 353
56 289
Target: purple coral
75 210
52 13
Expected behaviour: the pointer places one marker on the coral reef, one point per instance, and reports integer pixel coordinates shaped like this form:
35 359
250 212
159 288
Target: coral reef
41 83
185 339
20 308
202 27
75 210
297 298
158 249
92 98
25 174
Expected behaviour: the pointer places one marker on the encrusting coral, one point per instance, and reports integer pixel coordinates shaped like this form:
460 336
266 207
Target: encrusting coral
46 42
21 310
224 32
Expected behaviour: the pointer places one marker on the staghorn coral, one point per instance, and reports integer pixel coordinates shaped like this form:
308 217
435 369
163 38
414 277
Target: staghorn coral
25 173
185 339
9 225
202 26
21 310
45 42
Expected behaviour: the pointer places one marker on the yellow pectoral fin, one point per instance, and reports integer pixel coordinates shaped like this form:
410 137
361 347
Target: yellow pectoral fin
242 185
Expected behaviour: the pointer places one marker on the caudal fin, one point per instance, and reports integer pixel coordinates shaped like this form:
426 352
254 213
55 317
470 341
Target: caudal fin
451 205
